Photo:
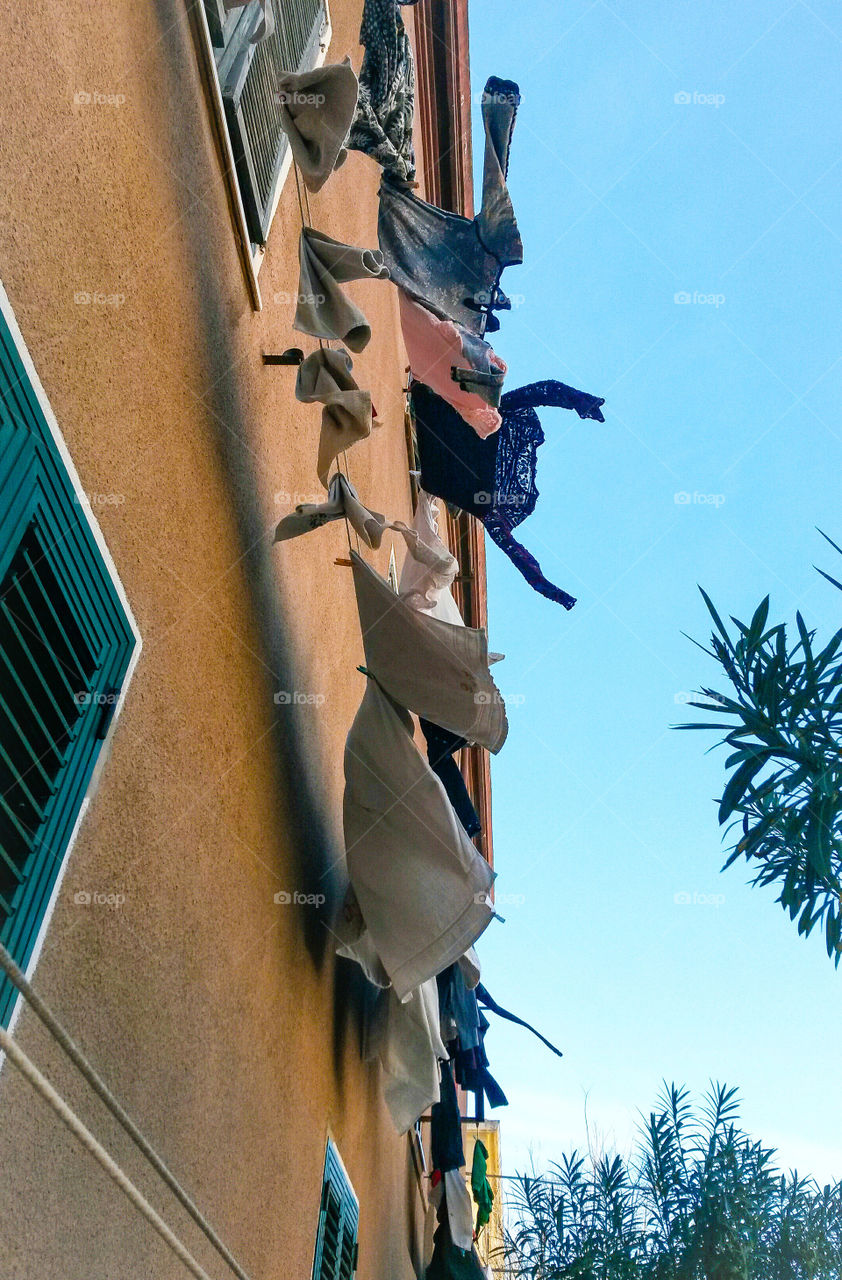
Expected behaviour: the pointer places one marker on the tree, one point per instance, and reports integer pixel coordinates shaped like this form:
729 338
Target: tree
784 725
697 1200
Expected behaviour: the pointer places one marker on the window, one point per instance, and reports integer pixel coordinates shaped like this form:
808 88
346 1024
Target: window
336 1242
66 642
248 75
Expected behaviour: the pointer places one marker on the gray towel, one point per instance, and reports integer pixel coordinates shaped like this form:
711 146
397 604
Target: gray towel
323 309
325 378
317 108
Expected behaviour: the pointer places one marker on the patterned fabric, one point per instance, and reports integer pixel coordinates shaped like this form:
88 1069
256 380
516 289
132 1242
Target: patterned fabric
382 127
494 478
517 450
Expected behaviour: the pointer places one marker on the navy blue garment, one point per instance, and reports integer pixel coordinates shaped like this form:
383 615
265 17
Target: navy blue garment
470 1067
446 1126
449 263
441 746
486 1000
458 1010
494 478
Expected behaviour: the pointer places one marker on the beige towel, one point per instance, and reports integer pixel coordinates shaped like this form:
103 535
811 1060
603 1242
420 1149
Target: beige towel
436 669
422 887
323 308
317 108
405 1036
325 378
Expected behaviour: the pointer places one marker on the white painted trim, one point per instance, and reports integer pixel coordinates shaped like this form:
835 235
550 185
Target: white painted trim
85 506
221 129
252 255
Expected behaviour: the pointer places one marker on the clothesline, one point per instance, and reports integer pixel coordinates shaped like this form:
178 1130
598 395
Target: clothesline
419 892
69 1118
74 1053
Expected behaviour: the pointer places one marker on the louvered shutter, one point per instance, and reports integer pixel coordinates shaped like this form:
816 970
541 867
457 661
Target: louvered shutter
249 77
336 1241
65 645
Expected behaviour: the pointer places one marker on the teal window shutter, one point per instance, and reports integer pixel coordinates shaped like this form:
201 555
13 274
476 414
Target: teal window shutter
339 1213
65 647
249 77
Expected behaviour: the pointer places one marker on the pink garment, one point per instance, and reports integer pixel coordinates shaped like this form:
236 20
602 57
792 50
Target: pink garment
434 347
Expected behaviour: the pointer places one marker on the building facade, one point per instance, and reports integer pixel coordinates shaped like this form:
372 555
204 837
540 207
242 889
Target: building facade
176 915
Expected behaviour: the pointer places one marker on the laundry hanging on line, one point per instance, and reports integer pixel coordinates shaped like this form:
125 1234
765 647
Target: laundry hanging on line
423 588
494 478
450 263
480 1186
438 670
451 1261
316 111
433 560
437 349
422 887
385 113
324 310
442 745
325 377
463 1029
446 1149
486 1000
404 1036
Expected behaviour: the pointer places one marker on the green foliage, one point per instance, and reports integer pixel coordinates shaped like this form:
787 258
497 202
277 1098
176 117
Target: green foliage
697 1200
783 723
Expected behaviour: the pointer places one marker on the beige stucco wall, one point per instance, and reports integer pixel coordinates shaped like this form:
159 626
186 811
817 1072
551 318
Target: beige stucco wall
220 1018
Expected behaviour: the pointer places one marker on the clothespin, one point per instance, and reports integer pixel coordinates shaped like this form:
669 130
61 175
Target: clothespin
293 355
468 379
345 564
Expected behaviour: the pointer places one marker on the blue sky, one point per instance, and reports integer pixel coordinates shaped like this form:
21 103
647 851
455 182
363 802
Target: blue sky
602 815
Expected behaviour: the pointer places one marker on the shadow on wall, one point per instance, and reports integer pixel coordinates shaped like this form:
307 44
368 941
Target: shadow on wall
313 854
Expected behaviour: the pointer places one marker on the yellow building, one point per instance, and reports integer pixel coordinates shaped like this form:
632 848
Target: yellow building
490 1238
172 905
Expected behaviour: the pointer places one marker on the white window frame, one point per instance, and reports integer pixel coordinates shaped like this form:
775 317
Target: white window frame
251 254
